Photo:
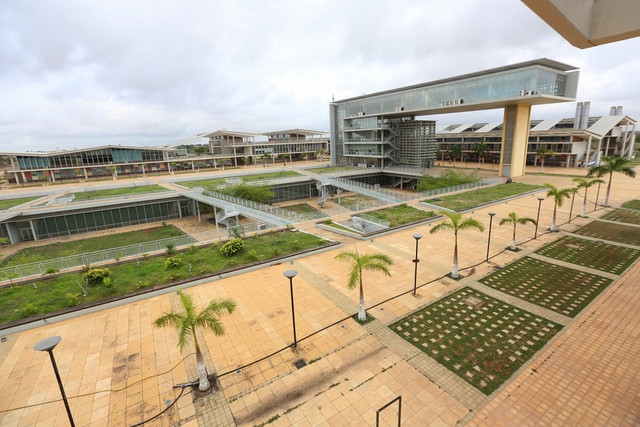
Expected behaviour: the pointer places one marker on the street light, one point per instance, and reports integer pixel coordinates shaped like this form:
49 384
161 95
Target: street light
540 199
416 261
491 214
48 344
290 274
574 190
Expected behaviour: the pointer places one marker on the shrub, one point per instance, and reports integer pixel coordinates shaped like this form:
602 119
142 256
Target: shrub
255 193
73 299
171 249
275 252
5 241
172 262
27 310
232 247
50 271
295 245
237 232
252 255
96 276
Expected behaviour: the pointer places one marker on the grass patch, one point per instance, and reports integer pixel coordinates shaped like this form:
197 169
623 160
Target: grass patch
351 200
632 204
561 289
9 203
99 194
614 232
401 214
216 182
448 178
588 253
61 292
621 215
300 208
369 318
62 249
485 344
333 169
481 196
338 226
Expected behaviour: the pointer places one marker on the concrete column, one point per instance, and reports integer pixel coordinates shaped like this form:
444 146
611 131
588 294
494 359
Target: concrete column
12 230
24 178
84 170
515 139
143 171
606 150
598 150
53 176
33 230
588 151
633 141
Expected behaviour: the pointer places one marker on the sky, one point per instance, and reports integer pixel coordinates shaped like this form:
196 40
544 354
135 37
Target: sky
82 73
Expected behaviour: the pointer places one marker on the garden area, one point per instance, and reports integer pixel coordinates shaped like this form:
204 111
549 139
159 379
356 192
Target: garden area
301 208
564 290
479 338
622 215
470 199
589 253
9 203
402 214
127 191
57 293
75 247
448 178
215 182
333 169
632 204
615 232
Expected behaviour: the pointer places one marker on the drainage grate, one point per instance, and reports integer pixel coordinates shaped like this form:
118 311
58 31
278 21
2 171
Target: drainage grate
299 364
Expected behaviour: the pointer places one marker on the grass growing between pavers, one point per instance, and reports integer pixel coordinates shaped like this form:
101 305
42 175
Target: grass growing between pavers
588 253
481 196
9 203
99 194
401 214
614 232
245 178
62 249
60 292
622 215
481 339
561 289
632 204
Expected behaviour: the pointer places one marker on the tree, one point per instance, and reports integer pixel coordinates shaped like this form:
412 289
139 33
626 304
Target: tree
480 149
321 152
265 157
370 262
456 224
187 320
304 154
172 167
609 165
114 171
586 184
245 160
513 219
454 152
199 164
558 196
541 153
79 174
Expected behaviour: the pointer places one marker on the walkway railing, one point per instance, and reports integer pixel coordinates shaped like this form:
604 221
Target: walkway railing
282 213
373 219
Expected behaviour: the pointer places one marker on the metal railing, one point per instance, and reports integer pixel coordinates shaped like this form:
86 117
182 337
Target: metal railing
461 187
283 213
373 219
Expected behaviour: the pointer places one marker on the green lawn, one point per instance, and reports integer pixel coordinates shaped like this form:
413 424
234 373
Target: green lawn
9 203
614 232
62 249
99 194
338 226
622 215
333 169
351 200
483 344
401 214
245 178
300 208
632 204
588 253
561 289
63 291
481 196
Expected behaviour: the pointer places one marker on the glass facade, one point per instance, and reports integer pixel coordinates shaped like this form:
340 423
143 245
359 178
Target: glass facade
103 156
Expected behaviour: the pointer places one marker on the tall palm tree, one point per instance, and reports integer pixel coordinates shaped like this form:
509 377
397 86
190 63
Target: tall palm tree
480 149
515 220
370 262
245 160
558 196
456 224
541 153
586 184
609 165
453 152
187 320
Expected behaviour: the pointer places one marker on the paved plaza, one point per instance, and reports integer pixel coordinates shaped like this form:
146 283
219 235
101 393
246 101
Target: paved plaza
119 370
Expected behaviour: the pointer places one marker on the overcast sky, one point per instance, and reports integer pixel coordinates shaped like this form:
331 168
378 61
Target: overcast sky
84 73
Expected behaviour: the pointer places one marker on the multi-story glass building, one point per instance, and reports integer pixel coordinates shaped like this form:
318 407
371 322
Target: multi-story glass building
381 129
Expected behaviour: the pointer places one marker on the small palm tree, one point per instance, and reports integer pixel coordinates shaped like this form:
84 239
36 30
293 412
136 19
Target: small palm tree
543 152
513 219
454 152
480 149
304 154
186 321
456 224
245 160
609 165
321 152
172 167
371 262
265 157
586 184
114 171
558 196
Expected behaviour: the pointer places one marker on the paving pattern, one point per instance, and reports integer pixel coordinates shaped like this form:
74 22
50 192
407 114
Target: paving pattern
623 215
616 232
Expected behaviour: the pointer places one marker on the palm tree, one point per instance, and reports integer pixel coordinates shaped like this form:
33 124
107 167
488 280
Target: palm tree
513 219
456 224
543 152
172 167
609 165
371 262
265 157
558 196
454 152
114 171
186 321
304 154
321 152
480 149
586 184
245 160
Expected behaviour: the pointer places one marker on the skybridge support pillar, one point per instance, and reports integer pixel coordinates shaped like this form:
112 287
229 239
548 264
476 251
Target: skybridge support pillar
515 139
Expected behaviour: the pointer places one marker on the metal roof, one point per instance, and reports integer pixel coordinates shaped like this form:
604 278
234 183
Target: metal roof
75 150
489 127
546 124
224 132
462 128
296 131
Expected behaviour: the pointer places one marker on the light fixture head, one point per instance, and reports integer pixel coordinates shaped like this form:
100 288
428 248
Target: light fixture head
417 236
47 344
290 274
491 214
541 198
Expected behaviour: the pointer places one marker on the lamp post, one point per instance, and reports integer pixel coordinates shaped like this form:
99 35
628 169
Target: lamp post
48 344
290 274
595 206
574 190
491 214
416 261
540 199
